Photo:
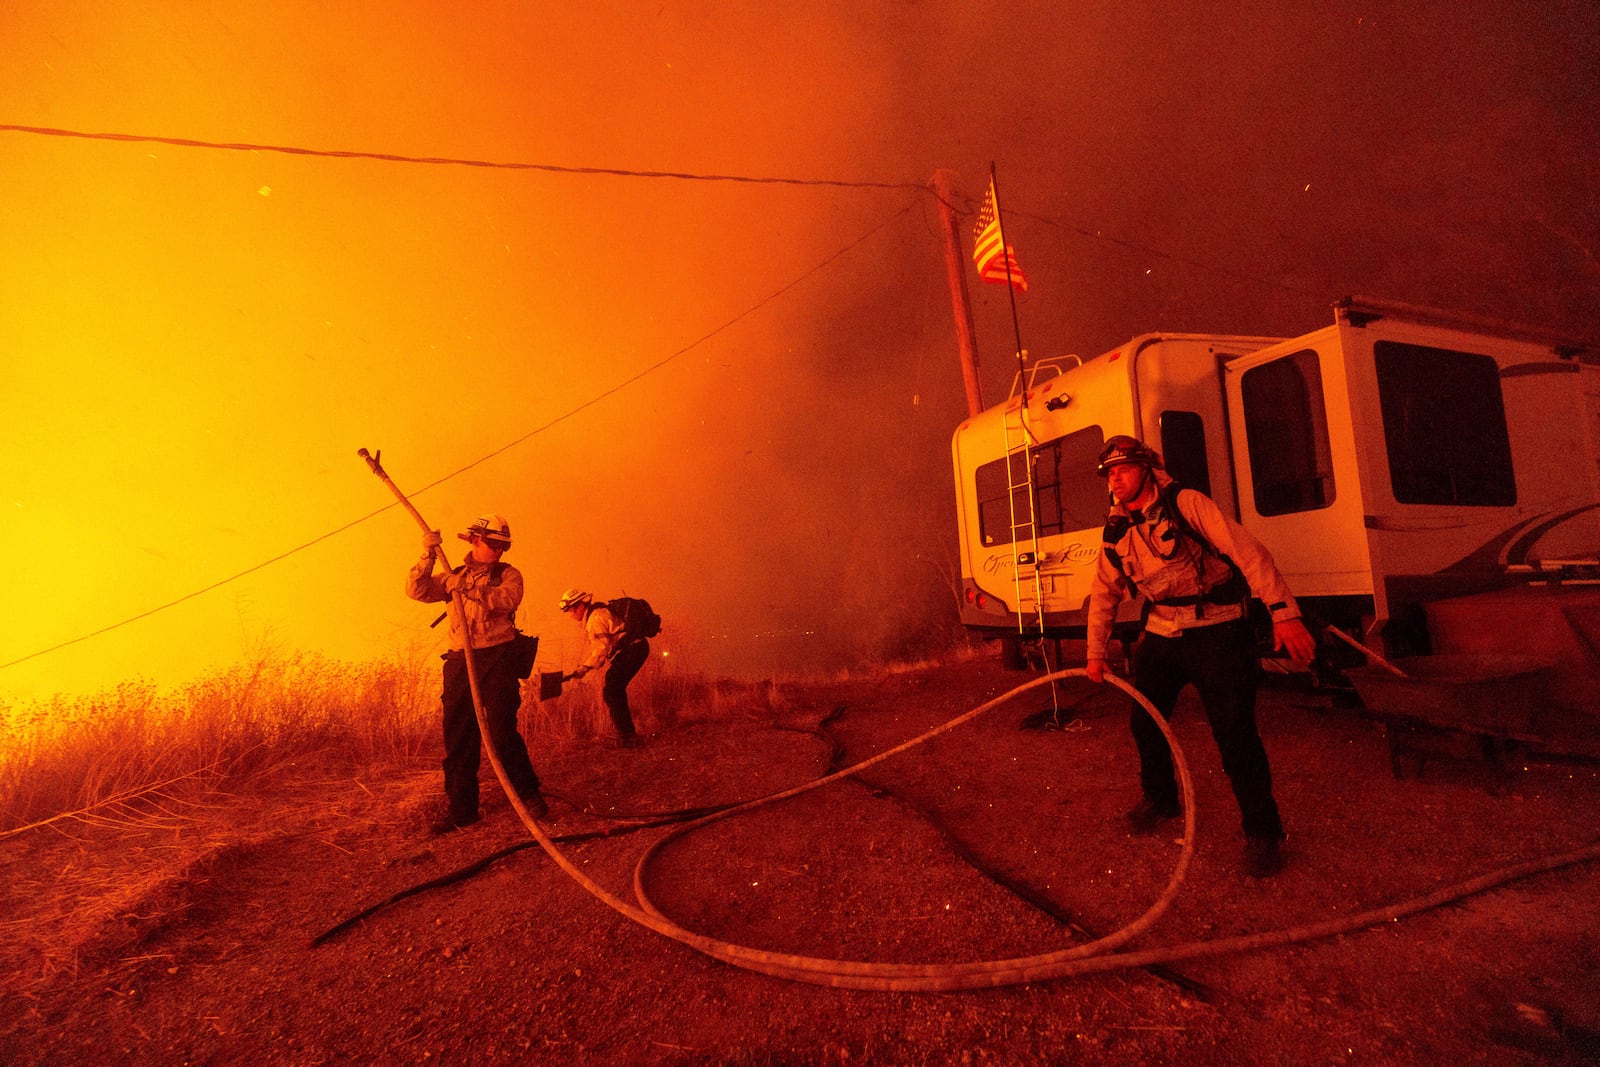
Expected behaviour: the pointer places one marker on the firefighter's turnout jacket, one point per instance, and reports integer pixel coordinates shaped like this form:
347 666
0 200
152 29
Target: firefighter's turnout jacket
605 633
490 594
1165 565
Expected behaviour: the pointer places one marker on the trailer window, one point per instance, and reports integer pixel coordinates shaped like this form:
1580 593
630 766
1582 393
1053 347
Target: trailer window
1183 449
1444 421
1286 432
1067 493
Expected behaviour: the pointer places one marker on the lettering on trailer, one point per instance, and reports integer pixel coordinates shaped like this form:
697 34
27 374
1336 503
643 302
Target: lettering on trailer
1075 555
1078 552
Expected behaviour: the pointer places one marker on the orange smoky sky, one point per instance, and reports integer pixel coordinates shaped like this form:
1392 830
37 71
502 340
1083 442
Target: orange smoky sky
734 398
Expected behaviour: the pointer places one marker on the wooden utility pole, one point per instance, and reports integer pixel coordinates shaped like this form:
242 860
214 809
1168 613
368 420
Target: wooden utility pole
955 264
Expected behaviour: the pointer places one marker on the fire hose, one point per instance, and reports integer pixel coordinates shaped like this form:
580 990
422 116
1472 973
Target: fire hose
1096 956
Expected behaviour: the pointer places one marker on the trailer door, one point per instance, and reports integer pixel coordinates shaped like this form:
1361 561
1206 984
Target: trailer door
1295 463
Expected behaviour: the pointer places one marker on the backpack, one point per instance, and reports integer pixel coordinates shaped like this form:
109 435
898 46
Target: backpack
638 618
1231 590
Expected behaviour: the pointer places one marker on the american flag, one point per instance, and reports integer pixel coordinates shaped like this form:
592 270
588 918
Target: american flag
993 264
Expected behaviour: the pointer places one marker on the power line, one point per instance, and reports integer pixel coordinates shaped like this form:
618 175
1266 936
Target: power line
391 157
613 390
199 592
1134 246
554 168
969 207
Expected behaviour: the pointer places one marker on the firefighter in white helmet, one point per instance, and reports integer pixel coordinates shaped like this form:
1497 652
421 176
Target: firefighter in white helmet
491 591
610 646
1196 569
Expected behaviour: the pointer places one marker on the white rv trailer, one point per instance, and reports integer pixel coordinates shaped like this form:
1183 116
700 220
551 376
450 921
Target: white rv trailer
1395 458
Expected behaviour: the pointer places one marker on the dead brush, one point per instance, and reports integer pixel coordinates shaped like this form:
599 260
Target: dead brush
132 754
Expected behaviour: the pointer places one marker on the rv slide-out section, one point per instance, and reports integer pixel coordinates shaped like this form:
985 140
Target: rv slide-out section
1397 457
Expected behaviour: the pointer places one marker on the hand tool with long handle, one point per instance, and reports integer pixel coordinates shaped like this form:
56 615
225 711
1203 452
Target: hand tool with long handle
1365 651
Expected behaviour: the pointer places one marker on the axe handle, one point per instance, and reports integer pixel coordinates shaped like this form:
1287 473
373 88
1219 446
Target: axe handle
377 468
1364 650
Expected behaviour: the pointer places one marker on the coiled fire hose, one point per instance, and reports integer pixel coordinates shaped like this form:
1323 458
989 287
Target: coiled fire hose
1095 956
1105 954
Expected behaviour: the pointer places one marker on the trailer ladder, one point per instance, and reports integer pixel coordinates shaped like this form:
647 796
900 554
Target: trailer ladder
1024 519
1019 441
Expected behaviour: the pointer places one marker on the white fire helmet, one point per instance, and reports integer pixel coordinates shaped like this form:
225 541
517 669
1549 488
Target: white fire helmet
573 597
492 528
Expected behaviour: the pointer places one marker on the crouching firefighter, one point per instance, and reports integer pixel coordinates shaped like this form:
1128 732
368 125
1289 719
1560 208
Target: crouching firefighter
1196 569
612 644
490 593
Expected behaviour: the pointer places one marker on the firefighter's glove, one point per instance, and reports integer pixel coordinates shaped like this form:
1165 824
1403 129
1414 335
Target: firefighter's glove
578 672
431 541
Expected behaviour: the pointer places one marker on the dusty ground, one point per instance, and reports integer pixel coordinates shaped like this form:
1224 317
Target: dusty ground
193 943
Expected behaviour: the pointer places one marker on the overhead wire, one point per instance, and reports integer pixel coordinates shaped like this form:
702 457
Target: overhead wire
623 172
454 161
652 368
1150 250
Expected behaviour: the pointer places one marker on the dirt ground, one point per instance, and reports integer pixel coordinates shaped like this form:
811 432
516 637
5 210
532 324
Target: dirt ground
226 936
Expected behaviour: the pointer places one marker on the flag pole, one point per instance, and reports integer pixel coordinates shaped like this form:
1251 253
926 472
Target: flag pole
1027 434
1011 290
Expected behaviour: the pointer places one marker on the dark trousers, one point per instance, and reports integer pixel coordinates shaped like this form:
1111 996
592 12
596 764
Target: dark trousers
624 665
1220 661
501 697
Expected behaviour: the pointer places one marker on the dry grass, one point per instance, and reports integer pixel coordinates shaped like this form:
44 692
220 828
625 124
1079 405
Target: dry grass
115 808
963 651
137 758
132 755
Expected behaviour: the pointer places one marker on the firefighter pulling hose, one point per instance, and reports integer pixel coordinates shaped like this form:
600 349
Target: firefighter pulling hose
1195 568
